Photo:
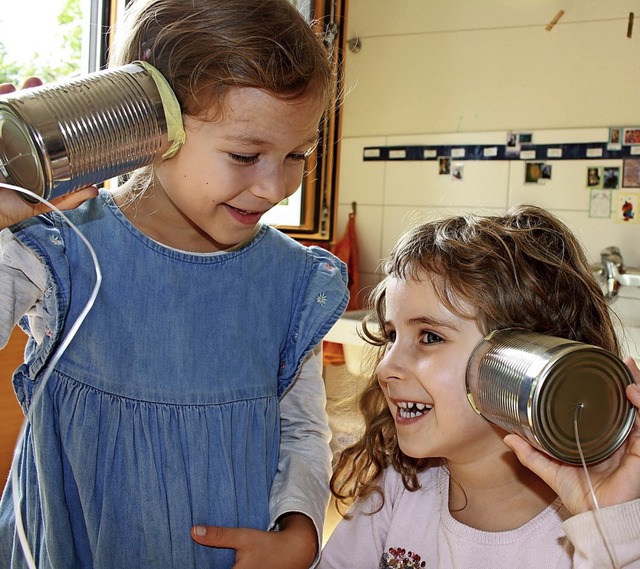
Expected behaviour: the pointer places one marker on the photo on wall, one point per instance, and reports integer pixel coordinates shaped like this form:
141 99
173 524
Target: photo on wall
537 172
631 173
444 165
600 203
631 136
615 138
457 171
627 204
594 177
610 177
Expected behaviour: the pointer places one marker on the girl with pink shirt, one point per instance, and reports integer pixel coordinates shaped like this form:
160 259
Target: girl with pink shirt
433 484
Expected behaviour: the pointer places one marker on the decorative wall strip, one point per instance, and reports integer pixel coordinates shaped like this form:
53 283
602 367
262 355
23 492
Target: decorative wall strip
569 151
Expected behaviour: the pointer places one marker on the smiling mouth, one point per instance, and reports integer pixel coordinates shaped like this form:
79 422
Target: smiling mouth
410 410
244 211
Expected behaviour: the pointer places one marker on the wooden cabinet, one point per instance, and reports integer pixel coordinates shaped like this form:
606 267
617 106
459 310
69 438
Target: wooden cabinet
11 415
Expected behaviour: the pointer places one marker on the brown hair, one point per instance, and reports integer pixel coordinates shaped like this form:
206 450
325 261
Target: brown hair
522 269
205 47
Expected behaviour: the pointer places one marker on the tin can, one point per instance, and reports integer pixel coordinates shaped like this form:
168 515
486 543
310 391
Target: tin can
68 135
540 386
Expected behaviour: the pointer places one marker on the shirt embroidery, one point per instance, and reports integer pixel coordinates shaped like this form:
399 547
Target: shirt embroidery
321 299
398 558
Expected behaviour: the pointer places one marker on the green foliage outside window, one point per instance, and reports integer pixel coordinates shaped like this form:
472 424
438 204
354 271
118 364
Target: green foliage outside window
62 62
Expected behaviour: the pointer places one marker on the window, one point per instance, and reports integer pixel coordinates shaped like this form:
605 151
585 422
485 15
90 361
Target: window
310 213
66 37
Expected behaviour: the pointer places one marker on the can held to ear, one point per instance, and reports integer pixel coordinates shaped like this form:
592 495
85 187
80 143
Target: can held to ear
539 386
68 135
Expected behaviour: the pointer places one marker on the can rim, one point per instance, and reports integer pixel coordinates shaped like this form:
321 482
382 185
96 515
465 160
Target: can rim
8 115
554 397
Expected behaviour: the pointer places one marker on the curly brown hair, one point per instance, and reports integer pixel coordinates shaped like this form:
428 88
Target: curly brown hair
523 269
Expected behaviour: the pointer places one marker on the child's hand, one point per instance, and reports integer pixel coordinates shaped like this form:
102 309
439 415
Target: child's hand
615 480
293 547
14 208
9 88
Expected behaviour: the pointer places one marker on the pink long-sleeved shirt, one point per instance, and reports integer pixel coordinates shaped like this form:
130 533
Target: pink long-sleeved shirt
416 529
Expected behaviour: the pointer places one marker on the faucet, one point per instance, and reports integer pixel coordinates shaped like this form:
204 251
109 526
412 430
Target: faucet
612 274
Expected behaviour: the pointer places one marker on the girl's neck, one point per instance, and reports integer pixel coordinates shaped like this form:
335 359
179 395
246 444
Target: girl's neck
497 495
147 214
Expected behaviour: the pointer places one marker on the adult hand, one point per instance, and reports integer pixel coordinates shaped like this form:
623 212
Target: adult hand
615 480
14 208
294 546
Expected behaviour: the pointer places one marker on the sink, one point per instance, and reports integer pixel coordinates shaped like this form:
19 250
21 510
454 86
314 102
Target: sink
346 332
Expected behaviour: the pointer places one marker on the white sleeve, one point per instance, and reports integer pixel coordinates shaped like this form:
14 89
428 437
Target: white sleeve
22 283
304 467
609 537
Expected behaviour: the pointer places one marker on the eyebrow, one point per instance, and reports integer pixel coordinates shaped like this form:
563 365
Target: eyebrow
435 322
251 140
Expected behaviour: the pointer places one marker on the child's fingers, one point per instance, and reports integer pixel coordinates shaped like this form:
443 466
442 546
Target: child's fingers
32 82
73 199
633 368
6 88
9 88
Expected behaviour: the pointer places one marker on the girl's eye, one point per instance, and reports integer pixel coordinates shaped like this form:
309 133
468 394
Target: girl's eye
390 336
431 338
243 159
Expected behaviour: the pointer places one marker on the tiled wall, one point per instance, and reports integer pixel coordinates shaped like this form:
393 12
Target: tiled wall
463 71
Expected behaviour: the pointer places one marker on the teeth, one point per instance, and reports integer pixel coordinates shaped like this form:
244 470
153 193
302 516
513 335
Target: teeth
408 409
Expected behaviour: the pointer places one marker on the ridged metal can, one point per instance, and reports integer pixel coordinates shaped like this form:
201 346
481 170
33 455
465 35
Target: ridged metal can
71 134
541 386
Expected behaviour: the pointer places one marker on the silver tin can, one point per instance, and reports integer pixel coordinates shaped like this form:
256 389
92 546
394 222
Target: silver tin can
68 135
538 386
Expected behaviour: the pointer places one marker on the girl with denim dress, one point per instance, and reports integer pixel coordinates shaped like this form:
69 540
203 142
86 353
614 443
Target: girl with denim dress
191 396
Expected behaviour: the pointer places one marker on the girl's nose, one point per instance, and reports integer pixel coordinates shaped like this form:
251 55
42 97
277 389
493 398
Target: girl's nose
272 187
391 366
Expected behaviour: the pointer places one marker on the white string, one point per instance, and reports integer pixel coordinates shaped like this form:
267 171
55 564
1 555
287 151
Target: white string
596 512
20 528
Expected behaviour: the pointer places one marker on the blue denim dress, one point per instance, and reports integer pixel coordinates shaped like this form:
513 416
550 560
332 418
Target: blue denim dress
163 410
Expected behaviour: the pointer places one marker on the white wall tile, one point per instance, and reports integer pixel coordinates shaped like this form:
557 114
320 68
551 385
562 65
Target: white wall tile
360 181
463 72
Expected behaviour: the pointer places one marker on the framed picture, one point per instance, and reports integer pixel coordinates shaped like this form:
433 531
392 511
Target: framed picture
631 173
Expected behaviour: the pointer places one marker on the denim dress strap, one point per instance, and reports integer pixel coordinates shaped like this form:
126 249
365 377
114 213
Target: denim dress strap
322 298
55 301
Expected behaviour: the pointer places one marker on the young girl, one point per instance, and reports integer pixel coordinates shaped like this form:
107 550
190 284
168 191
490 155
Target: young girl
436 485
192 392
